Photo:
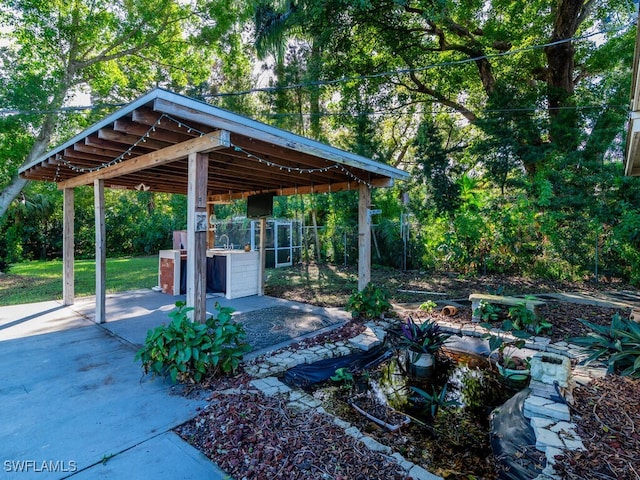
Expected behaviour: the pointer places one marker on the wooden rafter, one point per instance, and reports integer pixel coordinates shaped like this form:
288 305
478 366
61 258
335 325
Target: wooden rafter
259 157
206 143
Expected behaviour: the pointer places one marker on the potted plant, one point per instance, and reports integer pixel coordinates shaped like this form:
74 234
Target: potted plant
511 366
422 342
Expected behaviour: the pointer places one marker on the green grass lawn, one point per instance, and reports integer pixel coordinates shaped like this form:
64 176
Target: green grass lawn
39 281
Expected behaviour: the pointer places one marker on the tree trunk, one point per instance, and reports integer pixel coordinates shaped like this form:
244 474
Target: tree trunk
315 234
314 92
10 193
38 148
560 73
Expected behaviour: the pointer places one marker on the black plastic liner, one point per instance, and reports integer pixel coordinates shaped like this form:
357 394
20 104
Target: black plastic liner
305 375
513 441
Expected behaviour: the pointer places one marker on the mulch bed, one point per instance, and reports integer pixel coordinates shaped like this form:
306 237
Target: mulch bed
251 436
562 315
607 414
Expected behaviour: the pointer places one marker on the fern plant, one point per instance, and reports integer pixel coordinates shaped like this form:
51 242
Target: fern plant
371 302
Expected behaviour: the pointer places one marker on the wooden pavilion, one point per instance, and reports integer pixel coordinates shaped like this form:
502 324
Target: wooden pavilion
165 142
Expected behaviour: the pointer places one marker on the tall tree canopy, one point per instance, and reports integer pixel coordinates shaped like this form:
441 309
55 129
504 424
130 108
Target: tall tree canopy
530 97
532 73
114 50
510 115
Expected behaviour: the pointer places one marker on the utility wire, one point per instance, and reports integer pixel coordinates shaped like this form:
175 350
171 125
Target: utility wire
319 83
403 71
399 113
394 112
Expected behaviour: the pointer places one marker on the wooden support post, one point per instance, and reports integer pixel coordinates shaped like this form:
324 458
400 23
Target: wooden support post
263 255
197 223
211 234
101 251
68 255
364 236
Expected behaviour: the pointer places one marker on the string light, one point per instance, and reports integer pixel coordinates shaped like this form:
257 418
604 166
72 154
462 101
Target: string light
290 169
118 159
181 124
57 174
269 163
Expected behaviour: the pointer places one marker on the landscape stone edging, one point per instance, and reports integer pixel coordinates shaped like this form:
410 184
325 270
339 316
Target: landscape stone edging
265 381
550 420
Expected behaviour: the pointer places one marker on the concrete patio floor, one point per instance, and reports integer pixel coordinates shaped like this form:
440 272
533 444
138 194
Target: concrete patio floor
74 403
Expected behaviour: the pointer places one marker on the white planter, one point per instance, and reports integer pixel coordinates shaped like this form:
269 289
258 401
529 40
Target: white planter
420 364
550 368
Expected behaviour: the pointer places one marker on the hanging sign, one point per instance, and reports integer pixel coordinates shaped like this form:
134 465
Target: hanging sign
201 221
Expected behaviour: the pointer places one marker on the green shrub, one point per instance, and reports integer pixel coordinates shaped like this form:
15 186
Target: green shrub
187 351
524 319
370 302
428 306
618 344
488 312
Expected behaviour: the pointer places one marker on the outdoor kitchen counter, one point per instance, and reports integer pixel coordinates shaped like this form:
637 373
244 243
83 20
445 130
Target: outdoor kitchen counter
235 273
242 271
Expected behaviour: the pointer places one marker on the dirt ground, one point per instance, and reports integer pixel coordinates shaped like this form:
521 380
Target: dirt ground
331 286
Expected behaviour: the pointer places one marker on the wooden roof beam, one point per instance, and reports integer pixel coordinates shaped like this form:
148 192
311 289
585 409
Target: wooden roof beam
146 116
128 140
134 128
94 141
207 143
288 167
327 188
222 166
278 154
99 152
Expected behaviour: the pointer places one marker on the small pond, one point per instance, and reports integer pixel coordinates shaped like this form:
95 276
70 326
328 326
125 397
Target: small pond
462 391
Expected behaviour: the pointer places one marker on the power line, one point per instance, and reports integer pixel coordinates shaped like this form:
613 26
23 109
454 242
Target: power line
394 112
320 83
399 113
403 71
79 108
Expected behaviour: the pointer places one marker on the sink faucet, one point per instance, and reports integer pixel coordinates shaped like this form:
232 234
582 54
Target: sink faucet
226 245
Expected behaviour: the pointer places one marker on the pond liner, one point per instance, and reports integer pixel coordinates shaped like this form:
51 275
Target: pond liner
513 441
305 375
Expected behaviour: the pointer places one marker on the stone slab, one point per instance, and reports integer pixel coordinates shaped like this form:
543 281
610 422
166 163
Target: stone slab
546 438
542 407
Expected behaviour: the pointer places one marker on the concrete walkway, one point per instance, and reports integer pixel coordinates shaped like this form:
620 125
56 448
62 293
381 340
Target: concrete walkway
74 403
